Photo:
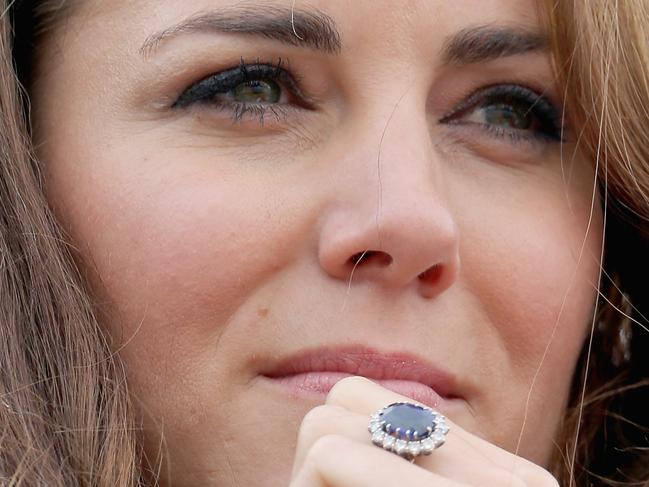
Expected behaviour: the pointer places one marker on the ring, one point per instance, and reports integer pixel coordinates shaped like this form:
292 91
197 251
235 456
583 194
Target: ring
407 429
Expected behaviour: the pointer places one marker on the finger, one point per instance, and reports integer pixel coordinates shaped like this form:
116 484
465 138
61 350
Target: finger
326 420
365 397
449 461
336 461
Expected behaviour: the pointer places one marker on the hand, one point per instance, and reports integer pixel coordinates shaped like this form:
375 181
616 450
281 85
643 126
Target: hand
335 450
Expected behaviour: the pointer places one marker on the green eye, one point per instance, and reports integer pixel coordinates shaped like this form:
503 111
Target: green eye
512 110
510 115
257 91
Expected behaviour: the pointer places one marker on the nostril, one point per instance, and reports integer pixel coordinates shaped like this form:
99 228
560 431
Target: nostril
432 274
376 256
355 259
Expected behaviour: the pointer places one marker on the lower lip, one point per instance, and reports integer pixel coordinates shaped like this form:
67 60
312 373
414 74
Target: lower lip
320 383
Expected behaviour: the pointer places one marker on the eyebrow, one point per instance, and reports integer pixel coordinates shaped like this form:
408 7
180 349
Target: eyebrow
485 43
312 29
316 30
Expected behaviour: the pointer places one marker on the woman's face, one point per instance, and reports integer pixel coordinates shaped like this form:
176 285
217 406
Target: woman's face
221 200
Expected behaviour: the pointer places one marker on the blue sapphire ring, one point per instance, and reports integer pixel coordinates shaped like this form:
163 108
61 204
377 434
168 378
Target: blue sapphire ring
407 429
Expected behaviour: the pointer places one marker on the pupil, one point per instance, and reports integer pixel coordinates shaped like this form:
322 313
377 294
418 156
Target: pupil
257 91
516 117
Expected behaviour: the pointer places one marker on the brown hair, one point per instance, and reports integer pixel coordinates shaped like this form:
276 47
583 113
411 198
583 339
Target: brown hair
64 409
601 55
65 414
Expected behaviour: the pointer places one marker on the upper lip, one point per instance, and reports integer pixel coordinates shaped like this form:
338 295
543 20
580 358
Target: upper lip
367 362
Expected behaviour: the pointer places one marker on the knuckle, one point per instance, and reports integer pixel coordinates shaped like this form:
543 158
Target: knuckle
532 476
315 418
536 476
542 478
316 423
324 446
512 481
317 414
499 476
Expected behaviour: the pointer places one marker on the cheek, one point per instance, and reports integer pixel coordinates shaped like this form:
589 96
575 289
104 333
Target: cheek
172 253
533 286
533 272
528 257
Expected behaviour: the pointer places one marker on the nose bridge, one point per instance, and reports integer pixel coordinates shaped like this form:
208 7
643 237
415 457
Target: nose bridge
406 166
391 223
406 177
391 151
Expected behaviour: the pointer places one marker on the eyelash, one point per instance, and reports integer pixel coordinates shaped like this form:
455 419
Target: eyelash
208 90
548 120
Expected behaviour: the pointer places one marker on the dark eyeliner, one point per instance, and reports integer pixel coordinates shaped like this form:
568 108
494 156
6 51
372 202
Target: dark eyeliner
544 111
208 89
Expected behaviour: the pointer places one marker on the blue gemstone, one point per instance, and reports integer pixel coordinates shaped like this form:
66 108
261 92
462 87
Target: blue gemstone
407 417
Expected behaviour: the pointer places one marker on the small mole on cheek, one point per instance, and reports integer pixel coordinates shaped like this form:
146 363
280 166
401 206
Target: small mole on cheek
262 312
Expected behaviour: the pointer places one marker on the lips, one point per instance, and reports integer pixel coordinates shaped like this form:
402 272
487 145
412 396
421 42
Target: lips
315 371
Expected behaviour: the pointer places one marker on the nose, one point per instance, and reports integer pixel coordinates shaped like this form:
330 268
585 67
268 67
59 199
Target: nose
388 222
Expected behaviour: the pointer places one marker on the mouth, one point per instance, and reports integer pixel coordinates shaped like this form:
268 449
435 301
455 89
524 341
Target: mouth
313 372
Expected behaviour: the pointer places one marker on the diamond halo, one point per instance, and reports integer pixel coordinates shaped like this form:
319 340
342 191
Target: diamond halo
408 430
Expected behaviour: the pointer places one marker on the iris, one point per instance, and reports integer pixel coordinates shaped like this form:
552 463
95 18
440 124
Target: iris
257 91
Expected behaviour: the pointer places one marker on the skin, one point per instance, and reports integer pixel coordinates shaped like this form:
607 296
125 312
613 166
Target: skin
214 248
332 451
